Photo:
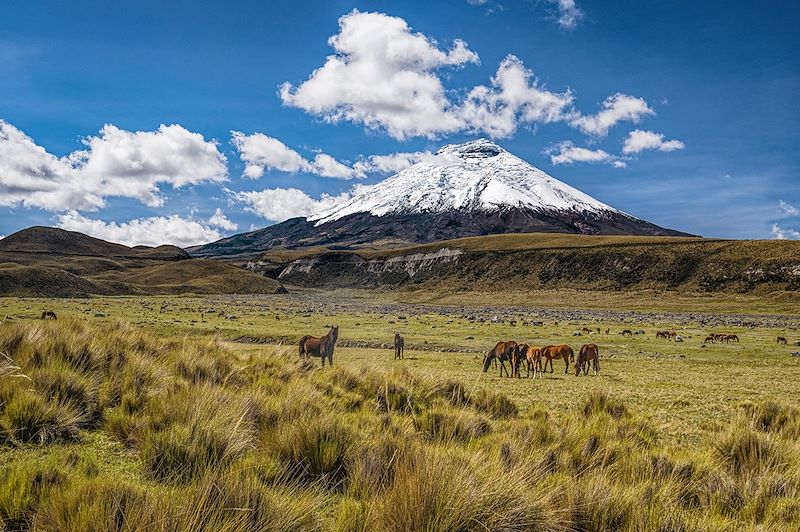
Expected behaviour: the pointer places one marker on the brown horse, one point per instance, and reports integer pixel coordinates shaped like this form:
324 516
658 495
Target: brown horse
557 351
320 347
533 358
504 352
588 353
49 315
782 340
399 345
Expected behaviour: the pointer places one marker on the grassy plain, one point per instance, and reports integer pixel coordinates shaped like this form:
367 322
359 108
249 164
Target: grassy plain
199 401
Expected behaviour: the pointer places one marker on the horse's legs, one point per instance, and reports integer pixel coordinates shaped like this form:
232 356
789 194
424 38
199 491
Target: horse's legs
503 368
566 361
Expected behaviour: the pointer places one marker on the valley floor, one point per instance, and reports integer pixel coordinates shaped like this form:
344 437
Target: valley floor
687 388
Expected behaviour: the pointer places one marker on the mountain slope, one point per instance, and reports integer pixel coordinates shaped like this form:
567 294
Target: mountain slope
50 262
509 263
471 189
52 240
477 176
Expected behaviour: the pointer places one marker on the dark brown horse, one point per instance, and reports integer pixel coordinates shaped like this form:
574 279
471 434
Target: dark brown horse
782 340
532 356
504 352
399 346
320 347
49 315
588 353
555 352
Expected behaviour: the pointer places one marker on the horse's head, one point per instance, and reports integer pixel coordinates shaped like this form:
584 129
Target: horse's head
334 332
487 360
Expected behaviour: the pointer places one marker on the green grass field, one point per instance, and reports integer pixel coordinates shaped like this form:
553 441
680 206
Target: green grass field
201 402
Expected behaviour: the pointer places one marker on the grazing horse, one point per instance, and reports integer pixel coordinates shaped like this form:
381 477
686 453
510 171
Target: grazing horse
533 358
399 345
557 351
662 334
731 338
588 353
782 340
627 332
710 339
503 351
320 347
49 315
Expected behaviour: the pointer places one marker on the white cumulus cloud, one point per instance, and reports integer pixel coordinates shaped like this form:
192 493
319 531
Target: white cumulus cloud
382 75
569 14
116 162
393 162
514 97
639 140
568 153
218 219
616 108
279 204
787 209
784 233
153 231
386 77
260 152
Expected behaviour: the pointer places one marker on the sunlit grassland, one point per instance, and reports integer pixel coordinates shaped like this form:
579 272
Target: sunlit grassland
194 413
686 388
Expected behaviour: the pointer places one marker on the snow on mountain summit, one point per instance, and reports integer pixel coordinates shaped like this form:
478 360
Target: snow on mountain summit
473 176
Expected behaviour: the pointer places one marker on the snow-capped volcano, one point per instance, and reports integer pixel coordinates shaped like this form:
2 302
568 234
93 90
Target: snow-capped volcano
474 176
471 189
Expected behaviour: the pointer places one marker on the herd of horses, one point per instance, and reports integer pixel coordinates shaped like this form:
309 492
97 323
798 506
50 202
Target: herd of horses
727 338
518 354
512 352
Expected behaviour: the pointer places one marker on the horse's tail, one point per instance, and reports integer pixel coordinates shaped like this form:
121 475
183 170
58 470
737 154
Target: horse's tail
571 353
303 345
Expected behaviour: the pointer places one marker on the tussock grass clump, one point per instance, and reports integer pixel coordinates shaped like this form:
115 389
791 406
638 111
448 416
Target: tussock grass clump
238 502
497 405
744 451
446 425
65 386
597 504
394 397
373 465
771 416
437 490
98 504
22 487
452 391
314 450
30 418
600 402
196 430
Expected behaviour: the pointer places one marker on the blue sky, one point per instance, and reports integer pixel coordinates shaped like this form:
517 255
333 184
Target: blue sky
706 105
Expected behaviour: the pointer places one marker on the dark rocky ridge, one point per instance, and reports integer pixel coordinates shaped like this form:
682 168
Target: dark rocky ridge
363 228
